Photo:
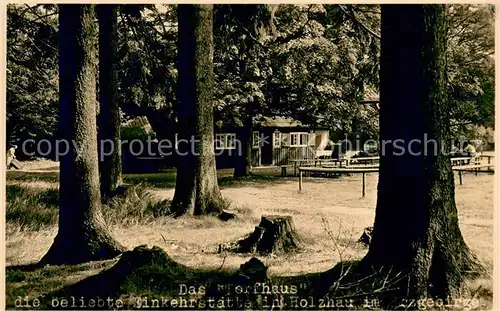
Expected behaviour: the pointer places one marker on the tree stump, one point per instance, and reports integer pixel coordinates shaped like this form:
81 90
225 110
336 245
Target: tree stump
274 234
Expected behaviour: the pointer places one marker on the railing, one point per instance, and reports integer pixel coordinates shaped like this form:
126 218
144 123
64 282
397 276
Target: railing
283 155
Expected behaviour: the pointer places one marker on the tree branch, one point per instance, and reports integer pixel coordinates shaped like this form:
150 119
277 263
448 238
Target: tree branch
297 34
357 21
32 9
145 46
248 32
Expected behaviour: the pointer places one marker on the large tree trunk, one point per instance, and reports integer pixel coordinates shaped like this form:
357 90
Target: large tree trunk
82 234
416 227
110 163
197 190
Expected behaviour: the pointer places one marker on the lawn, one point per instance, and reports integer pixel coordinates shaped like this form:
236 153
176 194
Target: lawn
329 215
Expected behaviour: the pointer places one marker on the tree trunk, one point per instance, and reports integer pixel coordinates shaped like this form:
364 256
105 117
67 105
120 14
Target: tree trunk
243 163
82 234
274 234
110 163
416 225
197 190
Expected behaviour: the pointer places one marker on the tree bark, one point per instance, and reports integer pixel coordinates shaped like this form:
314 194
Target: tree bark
243 163
274 234
197 190
110 163
416 229
82 234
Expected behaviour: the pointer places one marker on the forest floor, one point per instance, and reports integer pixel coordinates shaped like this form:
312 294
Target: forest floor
329 214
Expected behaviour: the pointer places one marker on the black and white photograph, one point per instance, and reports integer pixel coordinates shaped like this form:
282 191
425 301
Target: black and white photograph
272 156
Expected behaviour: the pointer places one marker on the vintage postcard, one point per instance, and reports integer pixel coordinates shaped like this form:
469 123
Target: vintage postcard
253 156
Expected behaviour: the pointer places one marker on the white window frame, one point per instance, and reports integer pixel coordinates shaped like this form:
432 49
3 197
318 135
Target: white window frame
219 141
222 139
233 140
277 137
307 139
255 142
298 136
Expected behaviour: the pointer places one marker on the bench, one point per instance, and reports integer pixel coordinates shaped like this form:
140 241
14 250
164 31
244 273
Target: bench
339 170
472 168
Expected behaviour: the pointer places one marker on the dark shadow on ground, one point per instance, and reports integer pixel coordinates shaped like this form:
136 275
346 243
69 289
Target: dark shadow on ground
146 276
167 179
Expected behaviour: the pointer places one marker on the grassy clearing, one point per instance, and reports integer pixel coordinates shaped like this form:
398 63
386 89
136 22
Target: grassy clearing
164 179
329 214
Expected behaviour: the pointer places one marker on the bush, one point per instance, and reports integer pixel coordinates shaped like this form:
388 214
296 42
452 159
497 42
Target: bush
136 206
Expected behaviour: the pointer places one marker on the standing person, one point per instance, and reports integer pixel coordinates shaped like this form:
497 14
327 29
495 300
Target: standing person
11 155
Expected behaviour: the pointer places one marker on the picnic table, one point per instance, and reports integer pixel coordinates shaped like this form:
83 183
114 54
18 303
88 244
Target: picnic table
339 170
369 160
299 162
357 166
472 168
461 160
309 162
364 169
330 162
486 156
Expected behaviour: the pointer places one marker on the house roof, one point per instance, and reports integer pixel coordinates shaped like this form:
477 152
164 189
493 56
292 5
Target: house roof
137 127
280 121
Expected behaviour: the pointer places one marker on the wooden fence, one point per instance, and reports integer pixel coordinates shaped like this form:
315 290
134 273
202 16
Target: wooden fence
282 156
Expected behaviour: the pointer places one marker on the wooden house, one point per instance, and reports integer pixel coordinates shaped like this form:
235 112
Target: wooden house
275 141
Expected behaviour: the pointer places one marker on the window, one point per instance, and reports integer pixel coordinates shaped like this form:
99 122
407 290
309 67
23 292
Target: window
255 139
219 141
285 141
294 138
225 141
276 139
299 139
230 141
304 138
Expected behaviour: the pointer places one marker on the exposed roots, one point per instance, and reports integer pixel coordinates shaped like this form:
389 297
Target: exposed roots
89 246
